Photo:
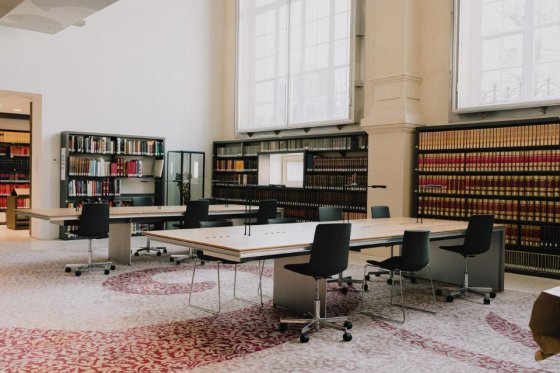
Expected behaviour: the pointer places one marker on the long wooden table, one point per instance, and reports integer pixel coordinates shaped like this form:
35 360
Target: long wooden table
120 228
288 243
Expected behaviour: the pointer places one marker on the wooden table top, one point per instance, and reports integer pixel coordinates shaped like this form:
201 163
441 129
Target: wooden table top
275 239
63 214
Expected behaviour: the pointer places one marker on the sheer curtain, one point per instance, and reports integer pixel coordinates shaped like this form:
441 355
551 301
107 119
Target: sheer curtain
508 54
294 63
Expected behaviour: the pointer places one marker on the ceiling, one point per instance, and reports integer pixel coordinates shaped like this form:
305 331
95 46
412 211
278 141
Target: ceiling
48 16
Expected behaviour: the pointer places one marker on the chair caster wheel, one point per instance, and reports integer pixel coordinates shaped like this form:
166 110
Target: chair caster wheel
137 254
365 287
67 269
367 278
177 262
413 280
348 325
202 262
449 298
158 253
78 273
389 281
304 338
492 295
282 327
486 300
439 292
106 271
344 290
164 251
347 337
171 259
113 267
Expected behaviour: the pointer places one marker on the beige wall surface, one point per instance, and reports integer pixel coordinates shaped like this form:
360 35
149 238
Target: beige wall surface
136 68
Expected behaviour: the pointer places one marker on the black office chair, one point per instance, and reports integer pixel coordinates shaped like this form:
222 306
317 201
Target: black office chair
147 201
477 241
380 212
93 224
282 220
415 255
267 210
196 212
328 213
200 256
329 256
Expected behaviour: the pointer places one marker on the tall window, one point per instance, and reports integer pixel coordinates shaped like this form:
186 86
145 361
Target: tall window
294 63
507 54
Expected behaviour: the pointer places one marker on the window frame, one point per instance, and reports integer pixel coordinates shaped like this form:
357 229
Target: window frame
550 103
351 82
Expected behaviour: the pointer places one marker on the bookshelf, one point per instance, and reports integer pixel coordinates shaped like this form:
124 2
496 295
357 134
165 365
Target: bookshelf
116 169
510 169
334 173
14 165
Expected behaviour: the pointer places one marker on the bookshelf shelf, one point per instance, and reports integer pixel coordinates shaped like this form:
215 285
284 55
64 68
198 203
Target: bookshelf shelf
111 168
331 164
15 146
509 169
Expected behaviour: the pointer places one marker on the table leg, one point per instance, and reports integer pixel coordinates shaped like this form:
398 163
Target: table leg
120 242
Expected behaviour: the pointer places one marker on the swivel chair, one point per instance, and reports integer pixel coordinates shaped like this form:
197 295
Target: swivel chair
200 256
328 213
329 256
477 241
93 224
379 212
147 201
414 257
196 212
282 220
267 210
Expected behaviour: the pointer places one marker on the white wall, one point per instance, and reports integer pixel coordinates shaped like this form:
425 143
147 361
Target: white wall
140 67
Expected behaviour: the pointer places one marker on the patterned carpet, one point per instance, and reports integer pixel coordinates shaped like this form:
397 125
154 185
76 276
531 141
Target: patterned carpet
137 320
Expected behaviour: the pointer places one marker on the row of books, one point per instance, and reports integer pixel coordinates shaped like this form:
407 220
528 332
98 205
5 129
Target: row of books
503 185
312 214
239 179
94 188
114 145
491 137
544 237
531 160
358 142
15 137
78 166
235 165
522 211
20 202
533 263
14 176
6 189
19 150
11 165
339 164
336 181
291 197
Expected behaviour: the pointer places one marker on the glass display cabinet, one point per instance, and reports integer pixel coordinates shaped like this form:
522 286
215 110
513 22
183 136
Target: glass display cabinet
185 177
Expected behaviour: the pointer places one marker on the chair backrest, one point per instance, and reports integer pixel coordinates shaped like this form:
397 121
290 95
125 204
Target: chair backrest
415 250
94 220
142 201
282 220
327 213
215 223
329 254
196 212
479 234
379 212
267 210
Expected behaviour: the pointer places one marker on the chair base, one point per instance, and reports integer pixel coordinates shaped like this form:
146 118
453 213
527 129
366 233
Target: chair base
485 291
182 258
344 282
79 268
158 250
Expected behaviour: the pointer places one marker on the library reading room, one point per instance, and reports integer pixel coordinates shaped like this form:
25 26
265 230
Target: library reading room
280 186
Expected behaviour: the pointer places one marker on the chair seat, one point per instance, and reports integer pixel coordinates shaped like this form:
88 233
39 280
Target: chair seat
459 249
391 263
